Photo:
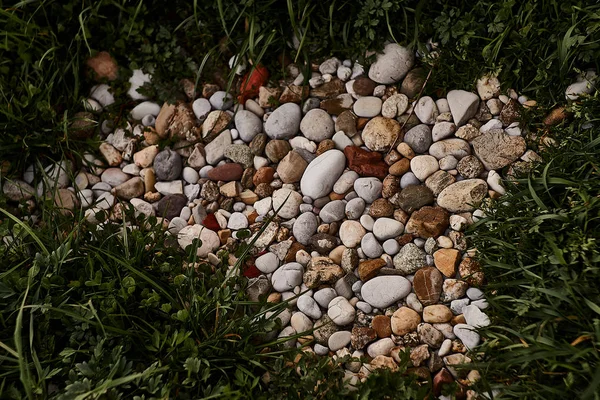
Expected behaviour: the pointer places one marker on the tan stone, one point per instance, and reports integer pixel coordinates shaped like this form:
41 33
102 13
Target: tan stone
382 361
405 320
446 260
112 156
231 189
291 168
437 314
145 157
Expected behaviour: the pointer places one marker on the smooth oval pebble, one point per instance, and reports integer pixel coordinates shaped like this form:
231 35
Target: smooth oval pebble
383 291
322 173
339 340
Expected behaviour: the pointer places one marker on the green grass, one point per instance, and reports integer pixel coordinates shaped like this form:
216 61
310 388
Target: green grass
540 248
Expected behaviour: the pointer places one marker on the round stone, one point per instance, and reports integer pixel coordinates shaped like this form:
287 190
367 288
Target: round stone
167 165
383 291
391 65
370 246
339 340
380 133
267 263
369 189
341 311
387 228
248 125
284 122
419 138
305 227
367 107
286 202
409 259
405 320
424 166
351 233
317 125
287 277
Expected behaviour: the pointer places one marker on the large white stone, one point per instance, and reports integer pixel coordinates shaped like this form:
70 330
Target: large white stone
383 291
392 65
322 173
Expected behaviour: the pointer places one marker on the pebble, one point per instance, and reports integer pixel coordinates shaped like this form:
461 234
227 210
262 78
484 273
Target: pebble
215 150
267 263
324 296
300 322
367 106
383 291
426 110
309 306
475 317
284 122
424 166
369 189
462 195
145 108
341 311
354 208
317 125
287 277
409 259
322 173
209 239
304 227
333 211
167 165
201 108
391 65
339 340
419 138
387 228
381 347
351 233
380 133
468 336
370 246
137 80
114 177
221 100
237 220
248 125
286 202
391 247
463 105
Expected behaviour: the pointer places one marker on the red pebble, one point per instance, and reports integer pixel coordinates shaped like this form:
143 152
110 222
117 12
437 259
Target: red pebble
366 163
211 223
252 82
226 172
251 271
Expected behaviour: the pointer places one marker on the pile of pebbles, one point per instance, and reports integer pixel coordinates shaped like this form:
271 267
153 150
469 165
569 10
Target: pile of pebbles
374 188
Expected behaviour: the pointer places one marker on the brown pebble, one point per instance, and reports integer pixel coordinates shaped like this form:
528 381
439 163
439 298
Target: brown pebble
382 325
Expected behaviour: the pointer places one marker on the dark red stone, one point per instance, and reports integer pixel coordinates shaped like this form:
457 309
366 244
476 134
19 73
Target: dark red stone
251 271
252 81
366 163
444 377
211 223
226 172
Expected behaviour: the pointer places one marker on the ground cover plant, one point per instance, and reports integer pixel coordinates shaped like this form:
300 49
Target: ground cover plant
77 304
540 245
